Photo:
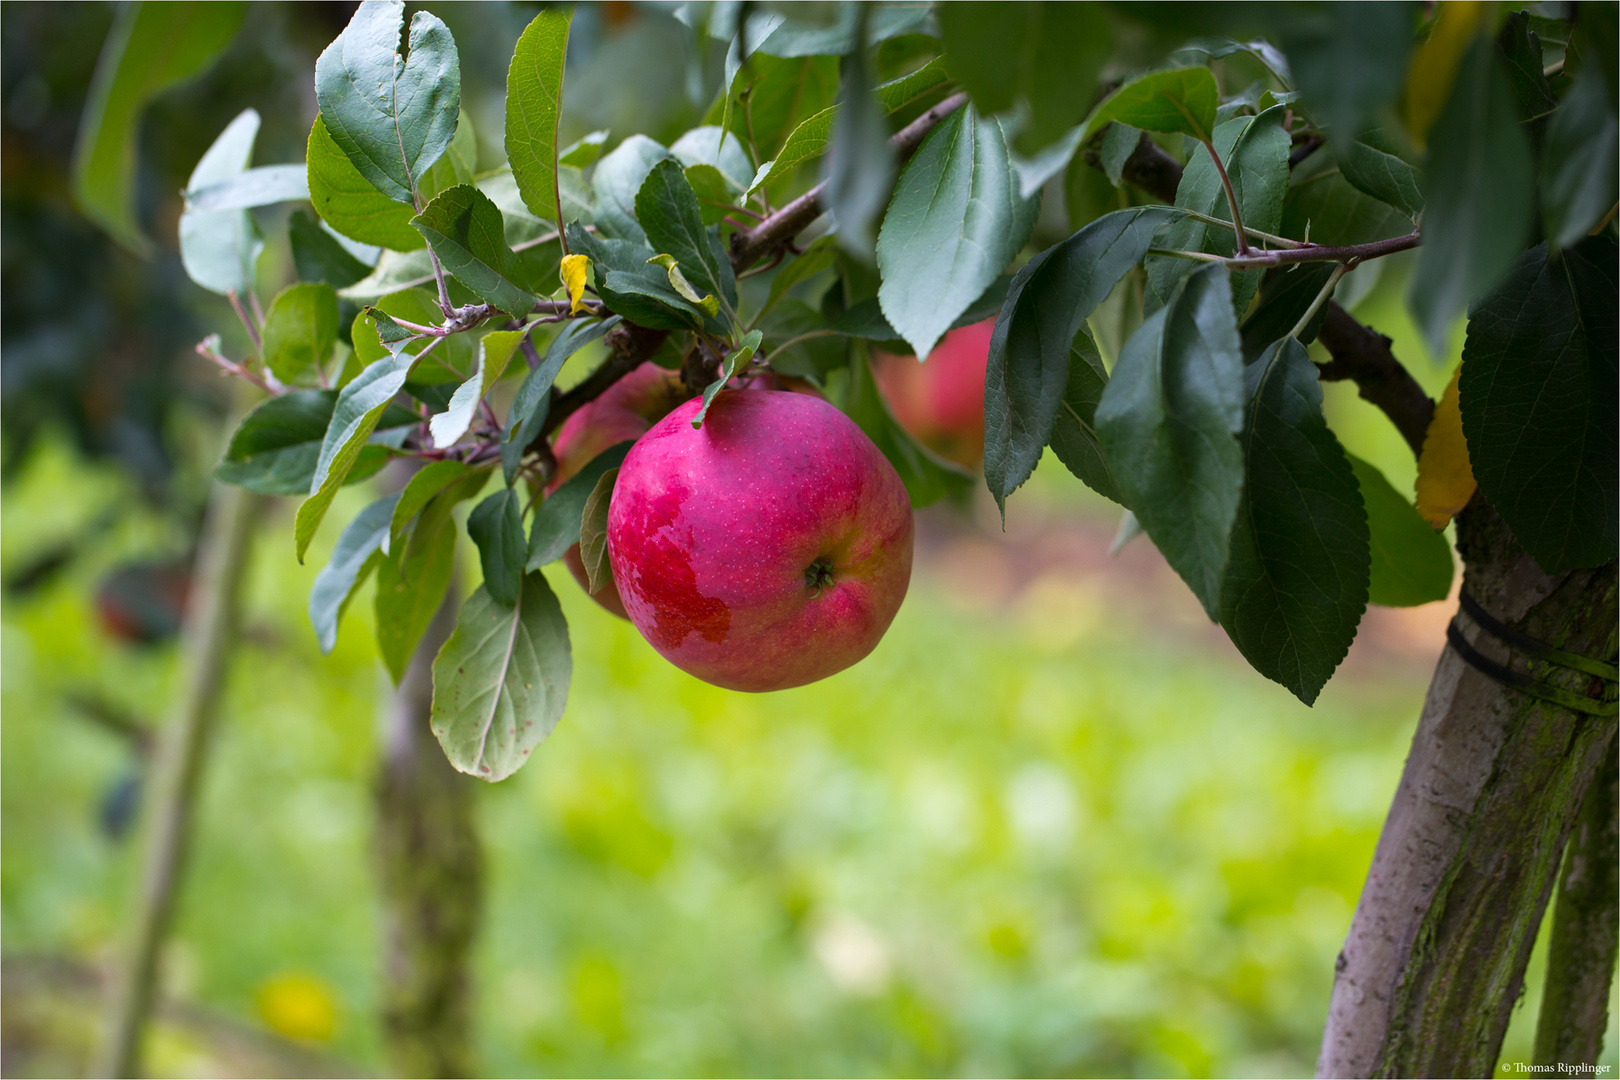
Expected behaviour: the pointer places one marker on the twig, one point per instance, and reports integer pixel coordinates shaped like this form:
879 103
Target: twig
1327 253
247 323
1270 238
208 349
1321 298
1231 199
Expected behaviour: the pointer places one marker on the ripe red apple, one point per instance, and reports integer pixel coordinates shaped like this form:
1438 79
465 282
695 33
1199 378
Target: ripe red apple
624 410
769 548
940 402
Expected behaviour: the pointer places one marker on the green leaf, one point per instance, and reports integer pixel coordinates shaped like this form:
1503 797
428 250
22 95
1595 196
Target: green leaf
1049 300
1178 100
955 223
583 151
616 182
150 48
275 449
264 186
1074 432
414 577
494 354
220 248
815 258
1045 55
1521 49
347 201
1087 194
1324 207
501 682
317 255
927 477
452 357
1348 60
359 406
1578 161
557 522
1169 422
1538 390
1119 142
1296 581
669 213
1284 299
457 165
534 96
1479 196
1255 150
858 172
772 96
496 526
299 331
713 191
422 488
391 120
466 231
533 400
1372 165
736 359
1411 561
814 358
394 272
356 555
704 146
778 35
593 550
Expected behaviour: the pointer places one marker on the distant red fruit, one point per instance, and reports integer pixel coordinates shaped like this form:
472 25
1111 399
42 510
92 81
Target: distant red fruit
940 402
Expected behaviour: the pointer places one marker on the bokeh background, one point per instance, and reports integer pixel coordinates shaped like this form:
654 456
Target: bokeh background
1054 825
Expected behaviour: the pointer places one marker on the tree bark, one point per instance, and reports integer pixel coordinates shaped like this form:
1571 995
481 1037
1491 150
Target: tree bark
1585 934
1436 951
207 641
430 868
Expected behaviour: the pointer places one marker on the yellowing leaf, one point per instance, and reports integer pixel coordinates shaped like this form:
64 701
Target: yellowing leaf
298 1006
1445 480
678 282
1435 62
574 271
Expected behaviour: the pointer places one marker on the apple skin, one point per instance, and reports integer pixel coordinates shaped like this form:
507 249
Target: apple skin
624 410
940 403
716 534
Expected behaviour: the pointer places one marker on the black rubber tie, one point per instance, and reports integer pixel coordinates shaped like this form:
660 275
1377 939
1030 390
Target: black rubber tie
1608 705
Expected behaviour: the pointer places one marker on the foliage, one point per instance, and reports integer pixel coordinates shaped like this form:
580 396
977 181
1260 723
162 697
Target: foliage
1300 141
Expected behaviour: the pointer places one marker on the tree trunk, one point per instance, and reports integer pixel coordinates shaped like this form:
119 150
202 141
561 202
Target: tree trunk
430 867
207 641
1436 951
1585 934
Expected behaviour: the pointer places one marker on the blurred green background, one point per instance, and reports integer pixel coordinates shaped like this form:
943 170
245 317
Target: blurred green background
1053 826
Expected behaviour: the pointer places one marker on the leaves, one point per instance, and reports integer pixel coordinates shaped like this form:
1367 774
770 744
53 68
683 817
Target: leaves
1478 193
616 182
669 213
414 577
275 449
1445 480
1348 61
1049 299
1046 55
1296 581
264 186
859 169
557 523
494 354
1578 161
317 255
735 360
391 120
220 248
347 201
1372 165
1178 100
300 329
496 526
1169 422
534 95
501 681
150 48
954 224
1411 562
1431 79
451 358
574 272
424 485
359 405
1324 207
357 553
1074 431
927 477
466 231
533 400
593 549
1538 386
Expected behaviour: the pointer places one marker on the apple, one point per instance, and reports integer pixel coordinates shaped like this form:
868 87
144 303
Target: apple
624 410
940 402
767 549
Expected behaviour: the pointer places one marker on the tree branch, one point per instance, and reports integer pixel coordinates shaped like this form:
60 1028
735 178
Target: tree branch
1361 354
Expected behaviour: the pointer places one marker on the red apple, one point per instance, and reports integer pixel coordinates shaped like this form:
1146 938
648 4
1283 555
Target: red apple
625 410
940 402
769 548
